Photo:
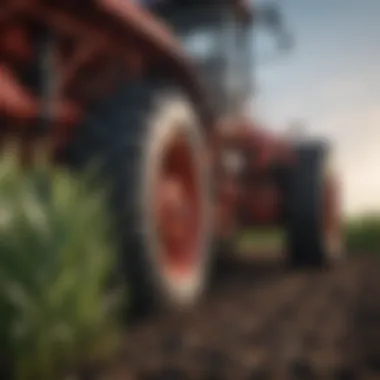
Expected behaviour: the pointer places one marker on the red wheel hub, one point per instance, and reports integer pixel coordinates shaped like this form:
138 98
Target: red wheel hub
178 208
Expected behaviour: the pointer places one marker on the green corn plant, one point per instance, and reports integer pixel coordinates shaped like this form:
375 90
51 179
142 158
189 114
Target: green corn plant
56 257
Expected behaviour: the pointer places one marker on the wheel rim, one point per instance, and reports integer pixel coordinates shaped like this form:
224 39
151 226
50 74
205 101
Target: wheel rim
178 208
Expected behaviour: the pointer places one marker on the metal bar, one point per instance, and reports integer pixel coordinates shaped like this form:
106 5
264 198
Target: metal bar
14 100
47 78
83 53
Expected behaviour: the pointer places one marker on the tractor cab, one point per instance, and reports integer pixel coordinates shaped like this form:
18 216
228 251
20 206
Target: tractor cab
218 36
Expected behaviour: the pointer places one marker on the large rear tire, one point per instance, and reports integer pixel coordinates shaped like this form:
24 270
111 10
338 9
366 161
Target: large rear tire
151 144
313 219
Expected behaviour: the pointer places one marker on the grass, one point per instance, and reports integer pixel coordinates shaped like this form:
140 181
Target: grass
55 262
262 240
361 235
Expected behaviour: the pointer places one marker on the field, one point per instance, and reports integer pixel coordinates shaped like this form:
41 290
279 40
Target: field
264 322
261 240
361 235
260 320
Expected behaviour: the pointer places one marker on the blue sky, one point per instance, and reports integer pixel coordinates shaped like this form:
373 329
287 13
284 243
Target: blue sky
331 81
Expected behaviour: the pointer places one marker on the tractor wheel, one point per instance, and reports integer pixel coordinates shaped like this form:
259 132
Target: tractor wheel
313 220
222 258
153 152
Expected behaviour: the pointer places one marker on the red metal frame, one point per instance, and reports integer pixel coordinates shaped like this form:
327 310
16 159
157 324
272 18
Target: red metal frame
97 39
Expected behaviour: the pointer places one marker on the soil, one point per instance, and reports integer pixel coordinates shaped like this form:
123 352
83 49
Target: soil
262 321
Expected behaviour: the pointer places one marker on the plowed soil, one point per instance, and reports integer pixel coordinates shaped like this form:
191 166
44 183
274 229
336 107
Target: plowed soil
262 321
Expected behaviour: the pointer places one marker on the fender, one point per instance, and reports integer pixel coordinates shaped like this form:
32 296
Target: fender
106 37
145 27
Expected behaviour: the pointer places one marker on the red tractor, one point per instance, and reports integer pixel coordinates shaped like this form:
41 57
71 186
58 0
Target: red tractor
154 92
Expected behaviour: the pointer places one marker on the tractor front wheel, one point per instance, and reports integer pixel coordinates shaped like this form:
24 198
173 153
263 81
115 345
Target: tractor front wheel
313 218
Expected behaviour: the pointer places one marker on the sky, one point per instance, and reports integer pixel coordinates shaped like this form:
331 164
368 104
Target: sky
331 82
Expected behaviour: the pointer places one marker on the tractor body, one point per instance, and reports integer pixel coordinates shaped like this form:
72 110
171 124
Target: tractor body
63 60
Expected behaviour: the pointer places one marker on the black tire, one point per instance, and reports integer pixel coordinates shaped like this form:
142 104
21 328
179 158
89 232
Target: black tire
304 209
126 132
222 258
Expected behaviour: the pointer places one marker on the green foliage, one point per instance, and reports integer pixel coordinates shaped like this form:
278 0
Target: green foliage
363 234
264 239
55 261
